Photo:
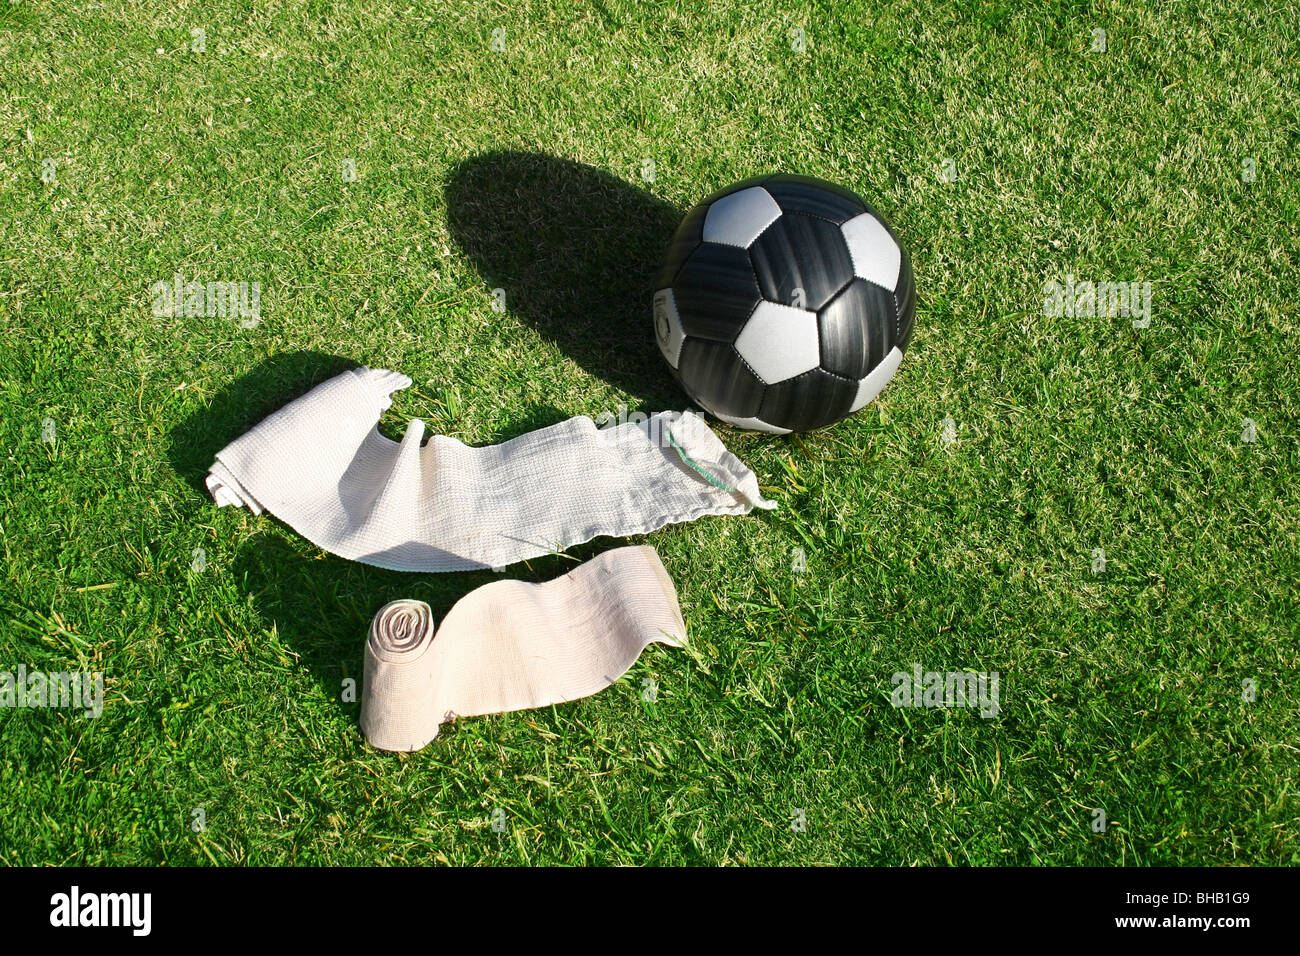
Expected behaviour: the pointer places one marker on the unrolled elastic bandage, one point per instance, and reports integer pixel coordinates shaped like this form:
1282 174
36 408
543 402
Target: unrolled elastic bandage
511 645
321 466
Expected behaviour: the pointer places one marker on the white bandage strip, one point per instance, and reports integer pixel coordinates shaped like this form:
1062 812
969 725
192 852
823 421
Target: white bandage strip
321 466
511 645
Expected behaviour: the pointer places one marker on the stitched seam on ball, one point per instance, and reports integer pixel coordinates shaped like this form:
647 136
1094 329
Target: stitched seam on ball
842 378
838 292
740 328
672 282
752 371
897 309
813 215
795 378
677 273
758 283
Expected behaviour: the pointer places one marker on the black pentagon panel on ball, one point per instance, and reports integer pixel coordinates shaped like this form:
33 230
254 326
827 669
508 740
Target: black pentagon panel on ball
685 241
720 380
808 401
815 197
799 252
856 329
716 291
904 302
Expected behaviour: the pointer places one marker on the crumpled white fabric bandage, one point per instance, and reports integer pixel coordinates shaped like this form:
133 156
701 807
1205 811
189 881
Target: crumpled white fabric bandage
511 645
321 466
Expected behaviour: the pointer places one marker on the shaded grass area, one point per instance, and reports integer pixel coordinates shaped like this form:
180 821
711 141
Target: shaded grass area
525 169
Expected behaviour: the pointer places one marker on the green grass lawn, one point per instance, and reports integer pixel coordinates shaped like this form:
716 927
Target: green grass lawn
952 523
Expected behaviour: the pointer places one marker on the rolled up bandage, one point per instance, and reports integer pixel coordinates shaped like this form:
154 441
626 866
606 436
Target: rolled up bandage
512 645
321 466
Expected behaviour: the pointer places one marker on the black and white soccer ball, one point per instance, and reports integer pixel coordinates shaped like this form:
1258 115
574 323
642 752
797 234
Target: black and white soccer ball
784 304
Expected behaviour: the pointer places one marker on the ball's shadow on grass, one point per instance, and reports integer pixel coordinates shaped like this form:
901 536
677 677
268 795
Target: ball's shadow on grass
576 251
